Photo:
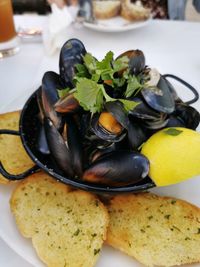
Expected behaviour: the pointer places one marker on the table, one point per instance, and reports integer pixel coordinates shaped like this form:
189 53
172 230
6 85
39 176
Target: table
170 46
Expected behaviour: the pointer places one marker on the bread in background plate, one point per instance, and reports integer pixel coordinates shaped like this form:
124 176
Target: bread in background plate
106 9
155 230
12 153
67 227
134 11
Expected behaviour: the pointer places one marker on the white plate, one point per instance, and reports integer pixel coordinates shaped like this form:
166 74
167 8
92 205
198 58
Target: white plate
188 190
117 24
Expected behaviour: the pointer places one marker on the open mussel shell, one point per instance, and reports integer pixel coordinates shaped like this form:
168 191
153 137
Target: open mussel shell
157 123
71 54
58 148
67 104
49 96
29 129
159 98
75 145
118 168
42 145
136 60
143 111
117 110
102 133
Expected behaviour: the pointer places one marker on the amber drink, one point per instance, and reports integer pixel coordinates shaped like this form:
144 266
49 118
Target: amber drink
8 36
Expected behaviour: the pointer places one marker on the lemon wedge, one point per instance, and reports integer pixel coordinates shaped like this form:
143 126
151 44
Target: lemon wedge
174 155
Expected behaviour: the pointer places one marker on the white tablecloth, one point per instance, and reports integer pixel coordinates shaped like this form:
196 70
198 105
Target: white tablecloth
172 47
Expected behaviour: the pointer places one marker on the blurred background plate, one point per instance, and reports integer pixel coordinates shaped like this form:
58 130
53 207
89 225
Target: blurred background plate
117 24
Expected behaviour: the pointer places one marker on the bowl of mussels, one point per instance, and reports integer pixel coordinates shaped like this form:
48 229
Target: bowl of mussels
86 125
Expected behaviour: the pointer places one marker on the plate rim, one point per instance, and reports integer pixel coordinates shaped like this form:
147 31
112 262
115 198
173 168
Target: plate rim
104 28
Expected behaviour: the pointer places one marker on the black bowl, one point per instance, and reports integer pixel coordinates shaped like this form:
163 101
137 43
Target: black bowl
29 129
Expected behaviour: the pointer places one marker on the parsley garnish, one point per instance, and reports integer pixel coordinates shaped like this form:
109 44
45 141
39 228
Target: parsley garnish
93 76
173 131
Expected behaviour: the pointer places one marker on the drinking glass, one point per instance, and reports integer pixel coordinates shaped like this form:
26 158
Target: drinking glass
9 43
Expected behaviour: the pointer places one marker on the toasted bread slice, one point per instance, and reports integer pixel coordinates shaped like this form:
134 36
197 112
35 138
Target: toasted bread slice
12 154
106 9
157 231
67 227
134 12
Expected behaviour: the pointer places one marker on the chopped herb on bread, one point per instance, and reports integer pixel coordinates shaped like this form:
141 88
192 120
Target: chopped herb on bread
155 230
67 227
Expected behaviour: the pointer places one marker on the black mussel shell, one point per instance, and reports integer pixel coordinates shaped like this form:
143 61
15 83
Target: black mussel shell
71 54
58 148
156 124
175 121
189 115
143 111
160 100
118 167
136 135
67 104
42 145
117 110
49 96
136 60
75 145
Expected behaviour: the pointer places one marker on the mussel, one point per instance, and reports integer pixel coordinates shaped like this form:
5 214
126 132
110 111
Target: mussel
71 54
159 97
49 96
118 167
136 135
136 60
73 139
188 115
106 127
110 125
67 104
58 148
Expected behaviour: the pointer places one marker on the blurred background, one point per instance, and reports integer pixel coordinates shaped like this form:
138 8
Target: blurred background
160 9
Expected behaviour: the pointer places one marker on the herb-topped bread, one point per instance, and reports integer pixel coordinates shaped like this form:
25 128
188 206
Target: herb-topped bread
134 11
12 154
106 9
67 227
157 231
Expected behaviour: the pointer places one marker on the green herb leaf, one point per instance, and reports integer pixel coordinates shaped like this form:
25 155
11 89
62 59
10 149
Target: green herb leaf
90 63
128 104
106 63
81 71
63 92
120 63
173 131
133 86
89 95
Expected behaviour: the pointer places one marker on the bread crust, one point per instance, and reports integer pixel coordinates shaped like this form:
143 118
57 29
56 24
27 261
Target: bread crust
67 226
12 153
155 230
132 12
